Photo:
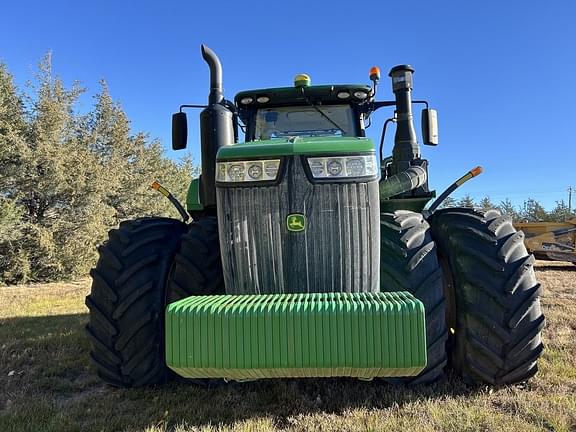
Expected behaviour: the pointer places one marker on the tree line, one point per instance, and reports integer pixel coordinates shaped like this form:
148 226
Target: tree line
530 211
67 177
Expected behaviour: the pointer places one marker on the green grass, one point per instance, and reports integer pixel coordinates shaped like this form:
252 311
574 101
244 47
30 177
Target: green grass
47 383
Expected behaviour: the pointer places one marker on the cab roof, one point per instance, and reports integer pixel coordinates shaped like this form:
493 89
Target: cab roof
324 94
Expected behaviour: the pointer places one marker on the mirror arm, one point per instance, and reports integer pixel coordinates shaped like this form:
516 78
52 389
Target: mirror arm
421 102
371 107
379 104
192 106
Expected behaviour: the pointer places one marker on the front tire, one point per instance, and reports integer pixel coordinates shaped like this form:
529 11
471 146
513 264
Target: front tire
409 263
127 301
197 266
197 269
494 314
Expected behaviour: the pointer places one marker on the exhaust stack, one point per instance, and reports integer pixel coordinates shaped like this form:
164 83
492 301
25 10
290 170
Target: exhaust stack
216 91
216 129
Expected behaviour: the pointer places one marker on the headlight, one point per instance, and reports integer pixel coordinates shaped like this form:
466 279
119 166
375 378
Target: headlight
255 170
247 171
343 167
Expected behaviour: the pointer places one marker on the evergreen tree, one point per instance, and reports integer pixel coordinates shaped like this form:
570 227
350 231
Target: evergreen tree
55 185
560 213
449 202
486 203
12 130
66 179
133 163
507 208
533 211
466 201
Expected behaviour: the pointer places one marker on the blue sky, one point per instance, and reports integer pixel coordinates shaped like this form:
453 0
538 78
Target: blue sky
501 74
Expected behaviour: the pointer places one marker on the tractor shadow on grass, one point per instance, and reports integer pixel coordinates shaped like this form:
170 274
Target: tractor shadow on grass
562 267
284 400
52 374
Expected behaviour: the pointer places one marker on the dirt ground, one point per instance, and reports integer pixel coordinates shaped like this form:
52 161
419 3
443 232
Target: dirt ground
47 383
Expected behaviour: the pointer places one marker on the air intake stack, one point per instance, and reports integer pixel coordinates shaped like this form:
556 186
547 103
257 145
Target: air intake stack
406 147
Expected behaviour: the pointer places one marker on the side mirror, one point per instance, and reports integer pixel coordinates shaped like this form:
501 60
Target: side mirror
179 131
430 126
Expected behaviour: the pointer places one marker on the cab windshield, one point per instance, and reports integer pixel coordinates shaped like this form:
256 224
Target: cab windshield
307 121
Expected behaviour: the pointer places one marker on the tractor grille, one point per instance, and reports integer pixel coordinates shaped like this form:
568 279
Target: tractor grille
338 251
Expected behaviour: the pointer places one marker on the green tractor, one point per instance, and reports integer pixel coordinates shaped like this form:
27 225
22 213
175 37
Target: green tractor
308 254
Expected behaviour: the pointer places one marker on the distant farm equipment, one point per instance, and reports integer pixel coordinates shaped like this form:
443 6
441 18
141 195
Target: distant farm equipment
550 241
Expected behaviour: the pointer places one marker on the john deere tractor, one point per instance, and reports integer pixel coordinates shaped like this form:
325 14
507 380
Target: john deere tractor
309 254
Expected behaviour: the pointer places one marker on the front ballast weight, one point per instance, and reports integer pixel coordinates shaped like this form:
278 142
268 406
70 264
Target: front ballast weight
239 337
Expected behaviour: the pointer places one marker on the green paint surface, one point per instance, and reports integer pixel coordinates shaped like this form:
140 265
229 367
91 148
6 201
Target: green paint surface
193 196
361 335
296 146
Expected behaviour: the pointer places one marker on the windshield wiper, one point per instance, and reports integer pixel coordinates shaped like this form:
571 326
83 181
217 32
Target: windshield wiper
322 113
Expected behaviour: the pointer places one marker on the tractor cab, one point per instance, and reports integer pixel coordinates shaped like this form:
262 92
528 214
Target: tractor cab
304 111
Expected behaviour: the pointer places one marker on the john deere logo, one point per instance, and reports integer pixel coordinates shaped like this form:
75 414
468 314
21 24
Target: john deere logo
296 222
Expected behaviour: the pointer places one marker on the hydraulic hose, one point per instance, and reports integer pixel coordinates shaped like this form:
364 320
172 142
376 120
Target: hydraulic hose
157 186
470 174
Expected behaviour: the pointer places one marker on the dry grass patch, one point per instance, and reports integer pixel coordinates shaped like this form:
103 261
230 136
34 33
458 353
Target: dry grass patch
47 383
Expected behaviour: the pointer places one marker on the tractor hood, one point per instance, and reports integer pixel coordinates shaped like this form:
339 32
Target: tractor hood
296 146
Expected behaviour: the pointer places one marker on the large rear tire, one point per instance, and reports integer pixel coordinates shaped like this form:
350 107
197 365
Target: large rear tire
494 314
409 263
127 301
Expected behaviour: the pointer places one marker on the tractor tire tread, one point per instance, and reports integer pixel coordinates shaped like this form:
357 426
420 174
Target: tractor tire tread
498 315
409 263
126 304
198 266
